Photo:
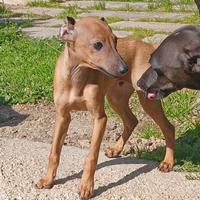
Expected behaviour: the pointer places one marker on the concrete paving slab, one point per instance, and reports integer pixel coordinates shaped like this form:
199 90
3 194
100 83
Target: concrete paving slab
23 162
156 39
48 32
134 15
53 12
48 23
108 5
41 32
157 26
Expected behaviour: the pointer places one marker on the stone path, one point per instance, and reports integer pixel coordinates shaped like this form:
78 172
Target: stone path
52 12
23 162
49 27
163 27
134 15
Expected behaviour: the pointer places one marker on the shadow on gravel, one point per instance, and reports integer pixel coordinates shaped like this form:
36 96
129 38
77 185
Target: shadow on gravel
9 117
148 166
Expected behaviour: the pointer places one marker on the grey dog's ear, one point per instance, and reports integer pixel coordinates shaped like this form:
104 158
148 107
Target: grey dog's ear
67 30
194 64
191 61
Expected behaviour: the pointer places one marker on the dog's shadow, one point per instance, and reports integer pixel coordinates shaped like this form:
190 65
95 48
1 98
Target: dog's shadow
8 116
148 166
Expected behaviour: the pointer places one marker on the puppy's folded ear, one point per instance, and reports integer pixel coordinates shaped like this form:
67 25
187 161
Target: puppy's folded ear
67 30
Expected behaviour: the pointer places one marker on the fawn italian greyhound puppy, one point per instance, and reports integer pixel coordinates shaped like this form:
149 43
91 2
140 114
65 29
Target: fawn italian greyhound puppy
84 76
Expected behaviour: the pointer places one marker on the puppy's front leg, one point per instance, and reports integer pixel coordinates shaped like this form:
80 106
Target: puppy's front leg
62 123
87 180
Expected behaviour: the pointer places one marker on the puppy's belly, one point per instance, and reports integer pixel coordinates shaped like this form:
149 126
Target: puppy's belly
78 103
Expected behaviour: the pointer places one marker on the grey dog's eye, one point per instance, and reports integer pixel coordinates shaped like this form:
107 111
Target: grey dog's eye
98 45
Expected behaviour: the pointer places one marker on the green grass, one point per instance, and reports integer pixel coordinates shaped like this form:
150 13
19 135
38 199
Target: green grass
131 0
179 109
114 19
187 151
45 4
98 6
4 11
192 19
149 130
71 10
140 33
185 2
26 66
164 5
154 5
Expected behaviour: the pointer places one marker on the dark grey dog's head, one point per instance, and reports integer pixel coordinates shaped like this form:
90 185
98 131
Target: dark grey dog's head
174 65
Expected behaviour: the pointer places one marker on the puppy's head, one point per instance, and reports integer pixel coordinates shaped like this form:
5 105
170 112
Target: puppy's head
94 43
174 65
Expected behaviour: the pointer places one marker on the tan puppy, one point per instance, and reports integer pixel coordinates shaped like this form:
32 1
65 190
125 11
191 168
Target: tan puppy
79 85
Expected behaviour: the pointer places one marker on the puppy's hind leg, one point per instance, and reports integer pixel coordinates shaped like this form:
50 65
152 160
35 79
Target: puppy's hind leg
118 96
155 111
62 122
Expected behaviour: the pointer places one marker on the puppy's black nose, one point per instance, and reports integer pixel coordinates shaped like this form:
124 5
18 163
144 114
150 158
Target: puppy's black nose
123 70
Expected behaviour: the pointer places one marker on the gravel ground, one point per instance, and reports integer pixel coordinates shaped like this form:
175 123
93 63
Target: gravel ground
23 162
36 123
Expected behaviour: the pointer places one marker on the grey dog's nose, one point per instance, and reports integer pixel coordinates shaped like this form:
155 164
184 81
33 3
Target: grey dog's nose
123 70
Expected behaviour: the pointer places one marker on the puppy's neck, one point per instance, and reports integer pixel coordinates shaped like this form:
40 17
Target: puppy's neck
70 60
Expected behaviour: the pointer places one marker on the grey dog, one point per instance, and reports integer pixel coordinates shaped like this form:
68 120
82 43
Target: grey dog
175 64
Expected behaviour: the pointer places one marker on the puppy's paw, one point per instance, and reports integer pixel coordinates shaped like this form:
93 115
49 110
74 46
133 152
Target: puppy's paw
86 189
112 152
44 183
165 166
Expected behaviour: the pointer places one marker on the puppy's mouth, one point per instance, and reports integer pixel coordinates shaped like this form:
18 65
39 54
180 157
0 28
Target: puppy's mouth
101 69
106 72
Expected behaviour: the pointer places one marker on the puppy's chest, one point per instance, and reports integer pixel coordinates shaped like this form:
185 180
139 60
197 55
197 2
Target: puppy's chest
83 90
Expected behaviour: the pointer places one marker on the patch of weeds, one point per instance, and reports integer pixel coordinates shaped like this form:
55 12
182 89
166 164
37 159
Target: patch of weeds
26 67
10 32
45 4
71 11
164 5
131 0
187 151
178 108
4 11
109 111
17 24
98 6
127 8
114 19
192 177
149 130
185 2
192 19
140 32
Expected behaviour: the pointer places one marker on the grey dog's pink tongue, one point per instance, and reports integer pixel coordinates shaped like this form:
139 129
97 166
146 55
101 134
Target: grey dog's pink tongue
151 96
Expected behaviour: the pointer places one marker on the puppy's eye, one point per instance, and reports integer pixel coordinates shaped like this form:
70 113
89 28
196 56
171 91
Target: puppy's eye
98 46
